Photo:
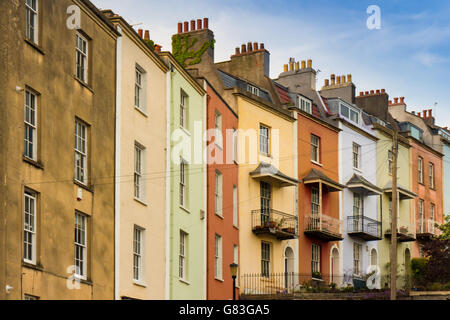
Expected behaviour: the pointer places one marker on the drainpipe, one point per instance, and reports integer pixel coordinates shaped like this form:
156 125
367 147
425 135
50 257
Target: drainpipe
117 166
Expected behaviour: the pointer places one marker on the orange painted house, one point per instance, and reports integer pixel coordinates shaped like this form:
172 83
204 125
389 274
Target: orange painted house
428 204
222 216
319 221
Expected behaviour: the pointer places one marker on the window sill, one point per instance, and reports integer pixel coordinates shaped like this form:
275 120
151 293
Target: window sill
34 163
139 283
317 279
84 84
185 209
184 281
220 280
220 216
267 155
219 146
35 46
185 130
140 201
141 111
30 265
83 186
316 163
357 170
236 227
84 281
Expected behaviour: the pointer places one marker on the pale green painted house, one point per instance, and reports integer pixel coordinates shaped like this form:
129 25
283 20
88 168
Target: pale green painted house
186 185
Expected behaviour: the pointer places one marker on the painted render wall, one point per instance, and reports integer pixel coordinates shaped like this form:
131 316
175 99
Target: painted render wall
144 129
368 170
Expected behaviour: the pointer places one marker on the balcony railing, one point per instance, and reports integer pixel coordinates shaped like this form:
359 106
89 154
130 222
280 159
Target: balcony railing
426 229
281 225
323 227
405 232
364 228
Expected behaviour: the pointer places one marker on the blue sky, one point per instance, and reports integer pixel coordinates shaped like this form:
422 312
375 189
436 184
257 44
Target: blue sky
409 56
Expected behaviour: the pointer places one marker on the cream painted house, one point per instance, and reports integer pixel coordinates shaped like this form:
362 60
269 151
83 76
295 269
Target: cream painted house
140 167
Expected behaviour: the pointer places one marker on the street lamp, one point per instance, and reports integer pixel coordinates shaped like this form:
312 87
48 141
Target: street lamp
234 270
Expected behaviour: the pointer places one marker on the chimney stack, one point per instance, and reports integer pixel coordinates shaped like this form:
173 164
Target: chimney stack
141 33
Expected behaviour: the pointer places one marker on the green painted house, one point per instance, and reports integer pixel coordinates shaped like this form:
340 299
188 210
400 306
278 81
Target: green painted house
186 185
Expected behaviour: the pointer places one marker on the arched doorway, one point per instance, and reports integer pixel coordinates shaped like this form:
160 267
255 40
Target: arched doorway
289 268
335 266
373 257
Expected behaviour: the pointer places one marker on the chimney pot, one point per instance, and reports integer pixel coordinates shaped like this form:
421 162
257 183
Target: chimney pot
249 47
255 46
390 102
327 82
147 35
297 66
141 33
243 49
366 93
157 48
261 46
425 113
418 114
342 79
291 66
361 93
309 63
383 90
192 25
430 113
372 92
333 79
237 51
199 24
402 100
180 27
285 68
378 91
349 78
396 100
206 23
303 64
338 80
186 26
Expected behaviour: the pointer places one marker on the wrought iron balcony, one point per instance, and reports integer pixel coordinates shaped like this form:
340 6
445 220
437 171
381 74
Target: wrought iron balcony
426 229
364 228
323 227
281 225
404 232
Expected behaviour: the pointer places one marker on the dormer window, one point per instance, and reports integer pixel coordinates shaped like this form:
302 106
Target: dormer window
253 90
349 113
304 105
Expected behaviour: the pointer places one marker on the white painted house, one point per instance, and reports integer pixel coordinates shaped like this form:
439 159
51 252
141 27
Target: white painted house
361 198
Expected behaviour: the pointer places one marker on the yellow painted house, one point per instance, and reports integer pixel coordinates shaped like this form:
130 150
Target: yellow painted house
267 159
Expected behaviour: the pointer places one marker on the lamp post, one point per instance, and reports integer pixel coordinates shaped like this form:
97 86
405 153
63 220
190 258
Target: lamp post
234 270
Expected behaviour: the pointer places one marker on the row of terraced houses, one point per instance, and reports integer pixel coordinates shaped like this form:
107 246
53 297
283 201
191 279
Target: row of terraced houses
129 172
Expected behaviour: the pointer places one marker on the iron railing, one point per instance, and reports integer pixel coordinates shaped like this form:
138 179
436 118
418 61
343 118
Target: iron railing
365 226
323 223
277 223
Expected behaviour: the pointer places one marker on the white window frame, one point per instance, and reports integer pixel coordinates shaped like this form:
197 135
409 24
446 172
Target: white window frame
182 266
30 216
184 104
218 136
420 169
235 146
183 183
236 261
82 58
266 259
140 89
431 175
390 161
139 165
253 90
30 119
356 156
315 148
353 115
264 139
218 193
235 207
218 257
81 152
32 25
138 254
315 258
305 104
357 261
80 244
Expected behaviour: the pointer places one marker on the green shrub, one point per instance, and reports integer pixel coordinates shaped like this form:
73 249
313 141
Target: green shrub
418 269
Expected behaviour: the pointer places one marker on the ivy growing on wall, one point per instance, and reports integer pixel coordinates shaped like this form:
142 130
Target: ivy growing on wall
182 49
150 43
